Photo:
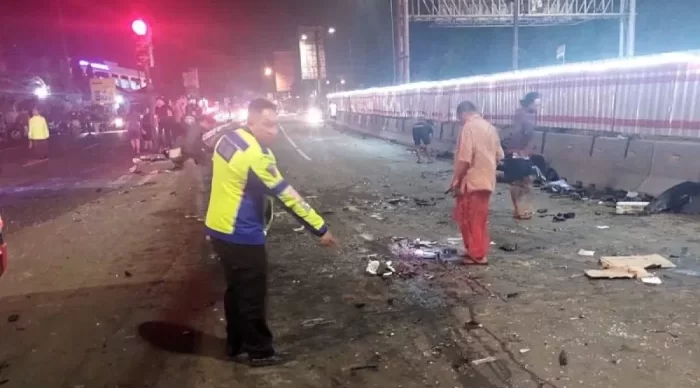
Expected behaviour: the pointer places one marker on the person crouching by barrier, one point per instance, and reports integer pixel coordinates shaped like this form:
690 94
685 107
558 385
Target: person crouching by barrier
422 137
518 147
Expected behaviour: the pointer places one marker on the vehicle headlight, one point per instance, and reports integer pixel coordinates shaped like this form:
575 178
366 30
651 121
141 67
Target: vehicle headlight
314 116
118 122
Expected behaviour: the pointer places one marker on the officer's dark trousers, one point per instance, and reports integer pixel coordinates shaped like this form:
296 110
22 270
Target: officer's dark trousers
245 268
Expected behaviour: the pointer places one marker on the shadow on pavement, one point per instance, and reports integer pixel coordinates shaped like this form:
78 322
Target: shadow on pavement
178 338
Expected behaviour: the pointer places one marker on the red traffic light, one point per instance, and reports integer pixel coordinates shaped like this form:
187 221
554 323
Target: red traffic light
139 27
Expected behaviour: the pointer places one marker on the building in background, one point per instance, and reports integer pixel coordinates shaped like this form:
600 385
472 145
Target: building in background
312 53
124 77
284 67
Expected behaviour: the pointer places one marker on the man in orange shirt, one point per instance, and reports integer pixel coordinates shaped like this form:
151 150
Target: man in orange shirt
477 154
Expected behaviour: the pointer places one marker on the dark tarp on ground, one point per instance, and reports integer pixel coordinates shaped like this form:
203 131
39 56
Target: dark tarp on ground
681 198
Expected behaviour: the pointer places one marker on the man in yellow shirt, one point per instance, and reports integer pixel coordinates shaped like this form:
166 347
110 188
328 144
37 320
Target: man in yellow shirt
38 135
244 174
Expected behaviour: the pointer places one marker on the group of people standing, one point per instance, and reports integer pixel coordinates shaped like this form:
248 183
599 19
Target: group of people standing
162 127
478 153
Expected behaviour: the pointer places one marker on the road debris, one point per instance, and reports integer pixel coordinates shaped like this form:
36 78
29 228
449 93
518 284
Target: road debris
509 247
523 351
299 229
631 208
128 274
484 360
405 248
367 237
602 227
583 252
309 323
651 280
472 325
563 358
13 318
630 267
512 295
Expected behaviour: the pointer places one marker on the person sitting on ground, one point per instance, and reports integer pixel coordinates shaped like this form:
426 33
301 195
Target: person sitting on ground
422 136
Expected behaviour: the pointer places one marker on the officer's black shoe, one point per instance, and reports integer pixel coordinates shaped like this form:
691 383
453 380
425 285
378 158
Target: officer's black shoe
276 359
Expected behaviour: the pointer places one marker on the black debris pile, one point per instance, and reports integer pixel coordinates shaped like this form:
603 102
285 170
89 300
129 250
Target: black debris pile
447 155
682 198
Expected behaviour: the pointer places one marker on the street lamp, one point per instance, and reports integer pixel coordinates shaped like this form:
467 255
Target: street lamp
331 30
342 82
267 71
41 92
304 37
139 27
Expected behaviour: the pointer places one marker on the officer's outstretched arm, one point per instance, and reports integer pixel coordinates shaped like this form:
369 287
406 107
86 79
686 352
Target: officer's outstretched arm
266 170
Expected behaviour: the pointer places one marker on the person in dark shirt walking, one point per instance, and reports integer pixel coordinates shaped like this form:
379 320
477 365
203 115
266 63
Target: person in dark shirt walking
422 137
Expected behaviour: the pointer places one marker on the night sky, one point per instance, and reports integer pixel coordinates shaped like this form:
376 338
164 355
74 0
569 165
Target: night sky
233 38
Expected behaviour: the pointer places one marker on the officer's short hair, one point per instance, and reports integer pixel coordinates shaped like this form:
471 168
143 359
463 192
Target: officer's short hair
260 104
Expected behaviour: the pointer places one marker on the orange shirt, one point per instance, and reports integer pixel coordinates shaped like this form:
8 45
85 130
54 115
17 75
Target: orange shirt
478 144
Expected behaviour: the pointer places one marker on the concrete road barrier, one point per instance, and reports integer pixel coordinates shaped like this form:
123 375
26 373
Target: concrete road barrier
602 168
635 167
673 162
568 154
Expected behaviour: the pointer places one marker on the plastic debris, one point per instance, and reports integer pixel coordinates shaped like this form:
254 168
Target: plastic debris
299 229
421 249
602 227
484 360
367 237
523 351
372 267
651 280
583 252
632 208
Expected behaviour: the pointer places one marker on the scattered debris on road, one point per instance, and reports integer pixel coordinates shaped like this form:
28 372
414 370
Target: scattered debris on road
309 323
484 360
630 267
583 252
509 247
631 208
405 248
563 358
13 318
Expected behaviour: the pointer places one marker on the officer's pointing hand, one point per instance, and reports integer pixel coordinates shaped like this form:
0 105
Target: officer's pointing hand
328 240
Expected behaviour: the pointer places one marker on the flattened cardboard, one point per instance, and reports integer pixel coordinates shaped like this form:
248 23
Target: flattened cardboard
613 273
639 261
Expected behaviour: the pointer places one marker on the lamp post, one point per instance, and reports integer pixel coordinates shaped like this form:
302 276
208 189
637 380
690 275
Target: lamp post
144 56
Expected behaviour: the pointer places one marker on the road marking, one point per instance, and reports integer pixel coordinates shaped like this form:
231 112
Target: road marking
289 139
34 162
91 145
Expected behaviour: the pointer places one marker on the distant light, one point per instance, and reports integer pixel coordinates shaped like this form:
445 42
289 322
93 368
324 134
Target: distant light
139 27
41 92
328 82
331 30
118 122
119 99
304 37
268 71
342 82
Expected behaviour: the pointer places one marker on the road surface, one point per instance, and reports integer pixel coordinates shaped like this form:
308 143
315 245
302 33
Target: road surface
108 288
